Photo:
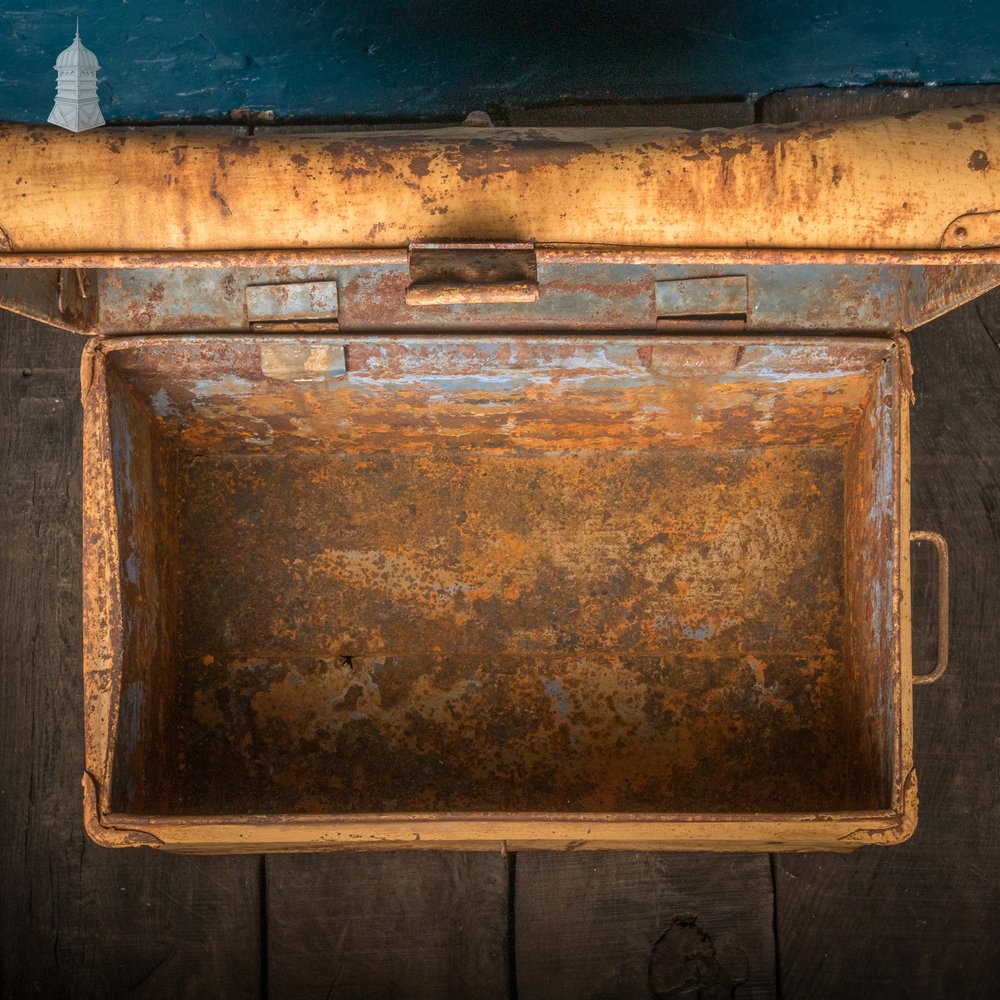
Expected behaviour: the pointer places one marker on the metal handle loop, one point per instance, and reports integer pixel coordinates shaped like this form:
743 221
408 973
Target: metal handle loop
942 636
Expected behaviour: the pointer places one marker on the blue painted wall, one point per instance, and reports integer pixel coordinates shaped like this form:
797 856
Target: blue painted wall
441 58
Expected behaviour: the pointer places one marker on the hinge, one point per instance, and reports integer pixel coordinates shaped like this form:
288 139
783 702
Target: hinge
65 297
292 306
717 304
468 273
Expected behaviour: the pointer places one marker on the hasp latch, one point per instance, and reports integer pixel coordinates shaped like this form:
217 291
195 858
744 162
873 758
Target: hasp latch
467 273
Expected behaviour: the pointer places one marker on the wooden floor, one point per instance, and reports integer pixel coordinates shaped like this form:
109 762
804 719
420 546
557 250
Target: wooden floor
920 920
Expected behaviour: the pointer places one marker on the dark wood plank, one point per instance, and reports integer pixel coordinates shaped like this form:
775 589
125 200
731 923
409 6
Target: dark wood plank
400 925
920 920
80 920
832 103
27 345
610 925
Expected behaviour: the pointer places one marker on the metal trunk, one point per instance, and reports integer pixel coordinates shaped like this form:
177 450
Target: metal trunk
409 524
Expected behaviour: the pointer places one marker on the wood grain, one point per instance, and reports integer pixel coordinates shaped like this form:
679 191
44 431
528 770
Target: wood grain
396 925
918 920
79 920
610 925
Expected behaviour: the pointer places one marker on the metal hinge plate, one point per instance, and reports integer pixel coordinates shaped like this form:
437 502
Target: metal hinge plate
297 305
717 303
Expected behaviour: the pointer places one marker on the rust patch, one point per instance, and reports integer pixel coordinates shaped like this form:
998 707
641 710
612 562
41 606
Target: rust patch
224 209
481 158
420 166
244 145
978 160
356 160
726 152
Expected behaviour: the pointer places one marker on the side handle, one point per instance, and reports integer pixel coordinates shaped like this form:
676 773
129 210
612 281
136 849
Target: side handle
942 635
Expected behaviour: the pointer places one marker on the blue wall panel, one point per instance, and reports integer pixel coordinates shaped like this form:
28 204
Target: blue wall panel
434 58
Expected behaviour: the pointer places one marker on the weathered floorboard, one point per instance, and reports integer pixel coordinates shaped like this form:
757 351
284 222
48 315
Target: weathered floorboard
398 925
79 920
615 926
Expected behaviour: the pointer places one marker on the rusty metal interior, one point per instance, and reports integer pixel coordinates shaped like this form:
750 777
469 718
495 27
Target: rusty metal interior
519 574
